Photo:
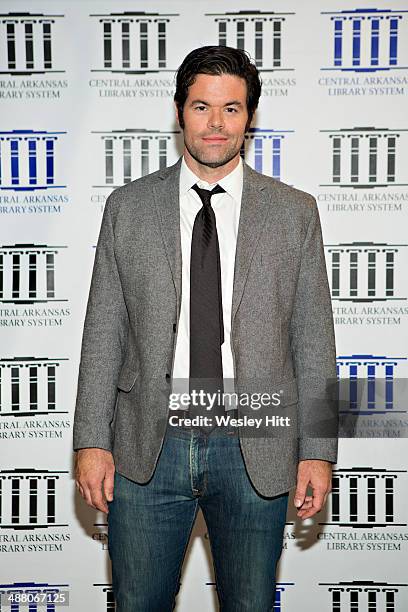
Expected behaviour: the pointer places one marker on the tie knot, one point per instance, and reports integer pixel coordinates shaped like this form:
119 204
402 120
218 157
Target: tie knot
205 194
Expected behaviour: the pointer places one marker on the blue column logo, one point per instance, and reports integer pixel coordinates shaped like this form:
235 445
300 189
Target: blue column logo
371 381
262 149
367 40
27 160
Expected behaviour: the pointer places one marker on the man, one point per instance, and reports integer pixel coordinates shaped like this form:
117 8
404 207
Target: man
191 281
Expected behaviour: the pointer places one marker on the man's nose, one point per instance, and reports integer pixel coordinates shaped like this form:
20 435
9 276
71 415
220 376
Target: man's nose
216 119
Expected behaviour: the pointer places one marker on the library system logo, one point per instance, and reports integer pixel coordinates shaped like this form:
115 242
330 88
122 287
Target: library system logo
31 58
372 392
31 178
363 595
264 34
125 155
136 56
368 282
31 399
364 170
33 517
30 291
363 52
366 506
371 384
365 513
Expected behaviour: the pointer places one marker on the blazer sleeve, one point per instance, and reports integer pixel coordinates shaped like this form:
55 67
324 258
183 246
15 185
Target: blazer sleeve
313 350
103 344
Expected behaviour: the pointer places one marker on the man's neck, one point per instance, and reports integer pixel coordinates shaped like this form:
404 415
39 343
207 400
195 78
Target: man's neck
210 175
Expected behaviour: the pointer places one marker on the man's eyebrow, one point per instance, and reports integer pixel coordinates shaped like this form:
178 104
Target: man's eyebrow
233 102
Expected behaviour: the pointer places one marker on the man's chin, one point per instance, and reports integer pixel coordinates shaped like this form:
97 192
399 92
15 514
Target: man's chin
213 163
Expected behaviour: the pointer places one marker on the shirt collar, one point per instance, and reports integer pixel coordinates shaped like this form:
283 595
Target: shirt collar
232 182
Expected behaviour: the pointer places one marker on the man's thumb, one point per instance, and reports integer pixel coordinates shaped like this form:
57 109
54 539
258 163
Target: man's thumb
300 495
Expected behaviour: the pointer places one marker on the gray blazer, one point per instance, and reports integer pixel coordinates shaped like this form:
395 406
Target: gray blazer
281 325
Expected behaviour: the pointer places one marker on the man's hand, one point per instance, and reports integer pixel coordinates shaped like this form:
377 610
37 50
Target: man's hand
94 473
318 474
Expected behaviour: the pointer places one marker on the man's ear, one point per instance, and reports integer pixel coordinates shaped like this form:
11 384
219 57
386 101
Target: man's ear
177 113
249 123
179 117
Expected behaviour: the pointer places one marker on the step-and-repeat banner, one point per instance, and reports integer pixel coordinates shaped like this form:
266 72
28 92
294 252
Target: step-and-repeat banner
86 93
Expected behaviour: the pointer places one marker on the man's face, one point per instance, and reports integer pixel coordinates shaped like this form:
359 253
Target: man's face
215 118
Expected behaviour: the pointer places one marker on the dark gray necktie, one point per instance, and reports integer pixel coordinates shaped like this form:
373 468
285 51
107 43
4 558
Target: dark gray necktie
206 315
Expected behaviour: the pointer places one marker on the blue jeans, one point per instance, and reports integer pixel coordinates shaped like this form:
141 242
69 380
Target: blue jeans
149 526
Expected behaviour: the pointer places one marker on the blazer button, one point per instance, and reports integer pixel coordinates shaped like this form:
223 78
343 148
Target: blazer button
174 328
167 376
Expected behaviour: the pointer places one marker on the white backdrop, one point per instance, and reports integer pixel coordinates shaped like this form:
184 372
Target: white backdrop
86 105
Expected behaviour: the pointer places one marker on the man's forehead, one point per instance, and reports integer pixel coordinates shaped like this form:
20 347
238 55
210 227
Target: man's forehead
217 84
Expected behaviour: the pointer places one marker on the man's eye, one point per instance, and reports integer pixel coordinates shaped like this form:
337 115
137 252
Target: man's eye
230 108
200 108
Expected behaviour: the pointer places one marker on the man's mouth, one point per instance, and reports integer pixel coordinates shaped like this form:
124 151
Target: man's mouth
215 139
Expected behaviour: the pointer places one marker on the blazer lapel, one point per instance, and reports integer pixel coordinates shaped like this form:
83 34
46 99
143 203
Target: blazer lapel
254 211
166 199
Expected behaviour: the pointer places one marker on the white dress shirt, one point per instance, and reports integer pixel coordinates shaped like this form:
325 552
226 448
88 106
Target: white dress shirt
227 207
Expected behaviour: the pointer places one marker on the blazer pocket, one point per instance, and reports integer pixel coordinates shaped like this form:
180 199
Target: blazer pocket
127 379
